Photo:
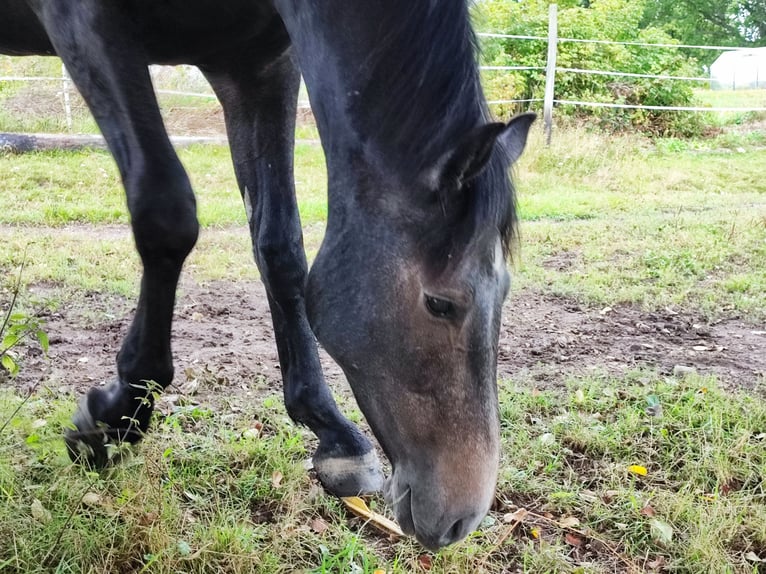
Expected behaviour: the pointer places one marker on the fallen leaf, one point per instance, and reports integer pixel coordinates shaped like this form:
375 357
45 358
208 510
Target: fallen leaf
318 525
647 511
276 479
425 561
569 522
662 532
573 540
39 423
547 439
171 399
588 496
638 469
378 571
609 495
190 387
91 499
579 396
189 516
753 557
535 533
360 508
191 496
517 516
148 518
40 513
656 564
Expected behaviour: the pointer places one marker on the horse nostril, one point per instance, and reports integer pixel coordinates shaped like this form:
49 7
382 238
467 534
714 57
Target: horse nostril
455 533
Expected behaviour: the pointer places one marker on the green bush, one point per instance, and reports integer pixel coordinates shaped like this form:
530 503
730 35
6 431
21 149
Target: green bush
614 20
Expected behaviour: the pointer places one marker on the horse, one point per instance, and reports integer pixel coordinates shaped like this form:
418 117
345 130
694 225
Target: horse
406 291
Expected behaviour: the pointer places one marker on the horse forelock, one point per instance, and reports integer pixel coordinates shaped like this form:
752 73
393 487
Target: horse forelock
422 90
423 94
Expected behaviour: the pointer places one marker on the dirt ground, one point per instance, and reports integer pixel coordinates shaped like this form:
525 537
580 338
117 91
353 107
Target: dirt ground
224 348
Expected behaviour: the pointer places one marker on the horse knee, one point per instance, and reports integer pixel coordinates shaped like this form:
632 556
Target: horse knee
163 215
282 263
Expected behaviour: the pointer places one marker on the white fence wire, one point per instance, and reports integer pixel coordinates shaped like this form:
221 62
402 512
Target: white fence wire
186 81
552 71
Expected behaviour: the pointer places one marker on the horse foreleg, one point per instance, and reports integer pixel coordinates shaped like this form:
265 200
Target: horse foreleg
259 107
112 75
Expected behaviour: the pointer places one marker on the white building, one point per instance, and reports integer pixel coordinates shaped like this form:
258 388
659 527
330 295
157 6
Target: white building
739 70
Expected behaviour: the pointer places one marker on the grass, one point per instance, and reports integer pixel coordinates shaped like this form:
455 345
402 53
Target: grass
85 187
606 221
660 223
201 494
704 456
731 98
611 220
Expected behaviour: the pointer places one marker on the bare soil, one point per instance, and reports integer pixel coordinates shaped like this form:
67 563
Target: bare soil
224 348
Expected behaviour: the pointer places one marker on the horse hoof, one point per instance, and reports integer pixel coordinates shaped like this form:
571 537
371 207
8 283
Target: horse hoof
349 475
87 442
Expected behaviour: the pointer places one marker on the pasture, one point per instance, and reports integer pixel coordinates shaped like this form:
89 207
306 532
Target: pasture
632 376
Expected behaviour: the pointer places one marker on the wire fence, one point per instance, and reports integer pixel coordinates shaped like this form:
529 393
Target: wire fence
182 85
554 73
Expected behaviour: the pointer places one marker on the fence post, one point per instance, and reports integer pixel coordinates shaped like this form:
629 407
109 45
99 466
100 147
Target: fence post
65 82
550 71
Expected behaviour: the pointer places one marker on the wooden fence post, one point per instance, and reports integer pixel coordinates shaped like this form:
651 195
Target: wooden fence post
550 71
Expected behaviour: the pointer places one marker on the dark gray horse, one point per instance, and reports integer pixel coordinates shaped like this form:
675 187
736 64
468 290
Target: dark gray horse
407 289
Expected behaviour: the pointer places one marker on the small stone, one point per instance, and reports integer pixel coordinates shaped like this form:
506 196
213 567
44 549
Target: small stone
92 499
40 513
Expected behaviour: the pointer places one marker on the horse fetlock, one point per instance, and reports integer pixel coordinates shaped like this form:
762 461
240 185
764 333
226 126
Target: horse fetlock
104 419
349 475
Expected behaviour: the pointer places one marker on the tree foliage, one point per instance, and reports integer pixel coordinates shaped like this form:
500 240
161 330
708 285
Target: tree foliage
614 20
709 22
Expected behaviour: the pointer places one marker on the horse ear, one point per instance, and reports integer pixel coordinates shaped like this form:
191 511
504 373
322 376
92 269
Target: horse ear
469 158
514 136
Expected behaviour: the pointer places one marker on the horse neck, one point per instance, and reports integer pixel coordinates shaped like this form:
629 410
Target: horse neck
394 80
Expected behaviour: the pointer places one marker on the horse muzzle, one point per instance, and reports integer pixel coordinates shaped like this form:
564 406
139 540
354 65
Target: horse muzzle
439 512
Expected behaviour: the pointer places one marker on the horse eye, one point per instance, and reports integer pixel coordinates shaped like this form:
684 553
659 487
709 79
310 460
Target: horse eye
439 307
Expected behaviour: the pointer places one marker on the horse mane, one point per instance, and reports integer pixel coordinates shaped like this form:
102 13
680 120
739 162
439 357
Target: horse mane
422 93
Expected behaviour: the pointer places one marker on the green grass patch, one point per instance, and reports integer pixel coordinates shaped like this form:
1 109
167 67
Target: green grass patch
60 188
732 98
617 219
605 220
210 493
700 507
644 471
